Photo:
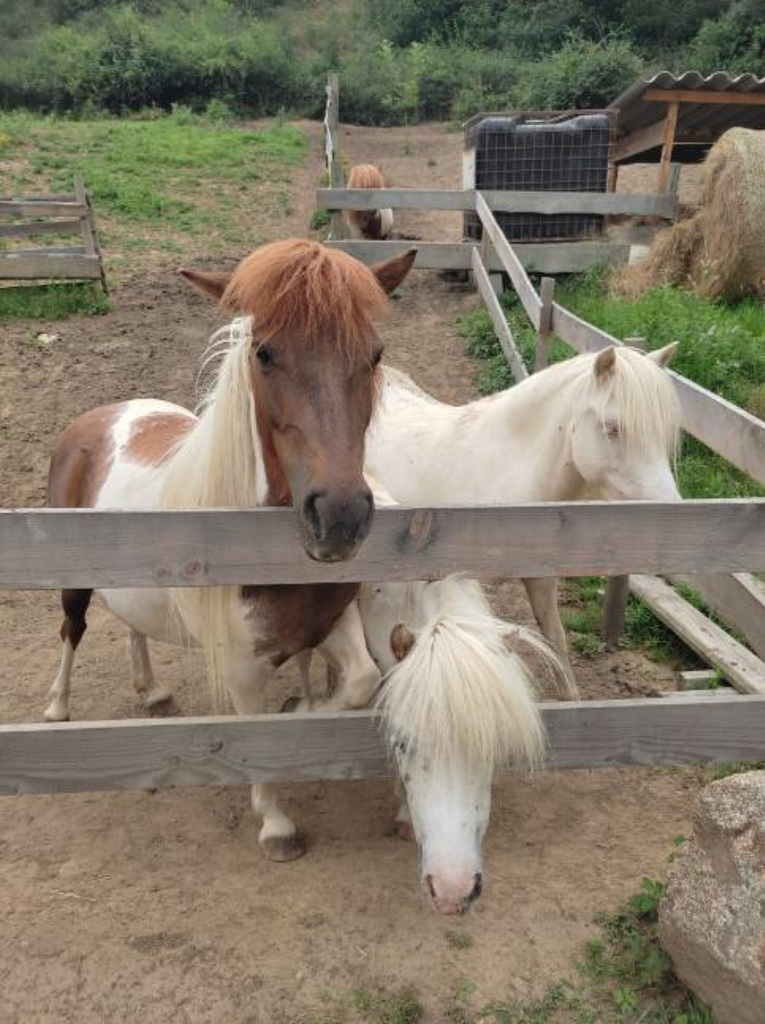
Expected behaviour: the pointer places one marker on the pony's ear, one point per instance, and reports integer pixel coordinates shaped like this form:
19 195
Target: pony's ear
664 356
402 640
392 272
211 282
605 362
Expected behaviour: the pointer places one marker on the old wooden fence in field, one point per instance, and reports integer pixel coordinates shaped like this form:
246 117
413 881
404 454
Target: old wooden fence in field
50 216
55 548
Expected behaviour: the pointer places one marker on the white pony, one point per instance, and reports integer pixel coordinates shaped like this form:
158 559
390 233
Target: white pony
457 705
602 425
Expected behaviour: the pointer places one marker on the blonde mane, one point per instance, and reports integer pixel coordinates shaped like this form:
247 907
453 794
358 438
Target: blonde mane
643 396
460 696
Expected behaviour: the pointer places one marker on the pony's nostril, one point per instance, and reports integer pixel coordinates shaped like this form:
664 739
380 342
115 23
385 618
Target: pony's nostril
431 887
312 514
475 892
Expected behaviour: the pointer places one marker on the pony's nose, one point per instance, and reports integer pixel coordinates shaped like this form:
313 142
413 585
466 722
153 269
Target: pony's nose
453 898
336 522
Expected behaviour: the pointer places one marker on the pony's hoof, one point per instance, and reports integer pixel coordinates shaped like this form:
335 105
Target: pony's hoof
283 848
157 697
55 713
290 704
405 831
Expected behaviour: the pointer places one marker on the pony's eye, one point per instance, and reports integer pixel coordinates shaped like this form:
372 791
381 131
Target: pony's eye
612 429
265 356
377 356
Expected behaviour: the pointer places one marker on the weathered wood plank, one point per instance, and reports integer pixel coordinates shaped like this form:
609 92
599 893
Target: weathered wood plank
147 754
547 297
739 599
498 319
510 261
55 548
40 208
702 96
739 666
503 202
560 258
668 141
44 264
47 227
615 608
335 173
650 137
725 428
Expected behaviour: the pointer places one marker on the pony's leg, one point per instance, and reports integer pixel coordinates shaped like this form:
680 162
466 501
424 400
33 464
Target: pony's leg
349 661
145 684
75 604
403 819
278 838
543 596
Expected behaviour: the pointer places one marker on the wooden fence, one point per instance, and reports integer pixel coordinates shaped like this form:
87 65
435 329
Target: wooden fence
55 548
731 432
65 214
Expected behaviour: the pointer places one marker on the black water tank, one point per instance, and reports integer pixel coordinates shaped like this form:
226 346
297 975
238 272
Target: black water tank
538 153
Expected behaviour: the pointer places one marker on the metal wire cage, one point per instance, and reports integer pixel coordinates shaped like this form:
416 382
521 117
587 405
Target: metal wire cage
538 151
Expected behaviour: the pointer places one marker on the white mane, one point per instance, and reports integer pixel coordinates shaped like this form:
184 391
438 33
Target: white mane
218 464
643 396
460 696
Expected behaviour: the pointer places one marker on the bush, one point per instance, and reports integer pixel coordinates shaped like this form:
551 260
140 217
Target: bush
735 42
581 74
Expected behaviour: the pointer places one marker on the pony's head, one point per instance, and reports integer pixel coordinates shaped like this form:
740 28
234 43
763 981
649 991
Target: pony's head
374 224
457 705
312 370
625 429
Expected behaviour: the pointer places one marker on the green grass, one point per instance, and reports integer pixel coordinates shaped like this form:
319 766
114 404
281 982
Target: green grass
52 302
383 1007
158 176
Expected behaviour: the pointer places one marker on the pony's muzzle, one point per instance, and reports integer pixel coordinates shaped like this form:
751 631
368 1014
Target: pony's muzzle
336 522
454 897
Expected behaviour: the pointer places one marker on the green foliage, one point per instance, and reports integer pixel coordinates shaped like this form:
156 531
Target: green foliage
582 73
400 61
52 302
735 41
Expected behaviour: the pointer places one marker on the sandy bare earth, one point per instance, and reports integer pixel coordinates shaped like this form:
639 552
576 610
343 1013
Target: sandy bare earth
157 906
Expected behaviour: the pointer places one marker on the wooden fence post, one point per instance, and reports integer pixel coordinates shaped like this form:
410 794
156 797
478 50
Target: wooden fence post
615 609
334 165
668 141
546 294
88 227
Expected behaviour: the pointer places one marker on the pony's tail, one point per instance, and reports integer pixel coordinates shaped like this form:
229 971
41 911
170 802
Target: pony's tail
563 678
460 696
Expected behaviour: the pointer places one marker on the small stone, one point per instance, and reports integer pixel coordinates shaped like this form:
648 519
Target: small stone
712 917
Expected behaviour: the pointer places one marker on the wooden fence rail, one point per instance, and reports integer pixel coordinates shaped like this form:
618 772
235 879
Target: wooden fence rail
146 754
71 213
611 203
56 548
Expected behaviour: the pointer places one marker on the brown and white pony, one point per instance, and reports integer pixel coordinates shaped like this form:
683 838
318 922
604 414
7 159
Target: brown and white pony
283 424
374 224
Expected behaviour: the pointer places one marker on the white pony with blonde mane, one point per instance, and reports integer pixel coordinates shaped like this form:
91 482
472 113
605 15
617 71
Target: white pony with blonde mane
457 705
602 425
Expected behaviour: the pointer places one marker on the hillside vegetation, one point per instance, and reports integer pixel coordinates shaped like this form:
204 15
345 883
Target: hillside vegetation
401 60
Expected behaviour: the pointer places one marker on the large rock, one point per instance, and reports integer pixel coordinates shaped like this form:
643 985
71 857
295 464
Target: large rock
712 918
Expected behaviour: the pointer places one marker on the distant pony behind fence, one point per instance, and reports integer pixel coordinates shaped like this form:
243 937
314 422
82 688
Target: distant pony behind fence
375 224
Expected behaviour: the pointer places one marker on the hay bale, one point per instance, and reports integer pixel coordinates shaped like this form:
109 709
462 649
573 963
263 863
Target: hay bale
719 251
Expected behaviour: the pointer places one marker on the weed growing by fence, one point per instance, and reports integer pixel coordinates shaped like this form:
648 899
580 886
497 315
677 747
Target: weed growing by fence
52 302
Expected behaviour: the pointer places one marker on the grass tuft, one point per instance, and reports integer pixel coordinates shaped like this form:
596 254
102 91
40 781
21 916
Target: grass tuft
52 302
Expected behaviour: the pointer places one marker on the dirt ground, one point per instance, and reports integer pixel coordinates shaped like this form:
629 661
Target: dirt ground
157 907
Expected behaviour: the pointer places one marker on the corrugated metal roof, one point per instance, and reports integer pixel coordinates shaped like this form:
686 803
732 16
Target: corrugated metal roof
713 118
